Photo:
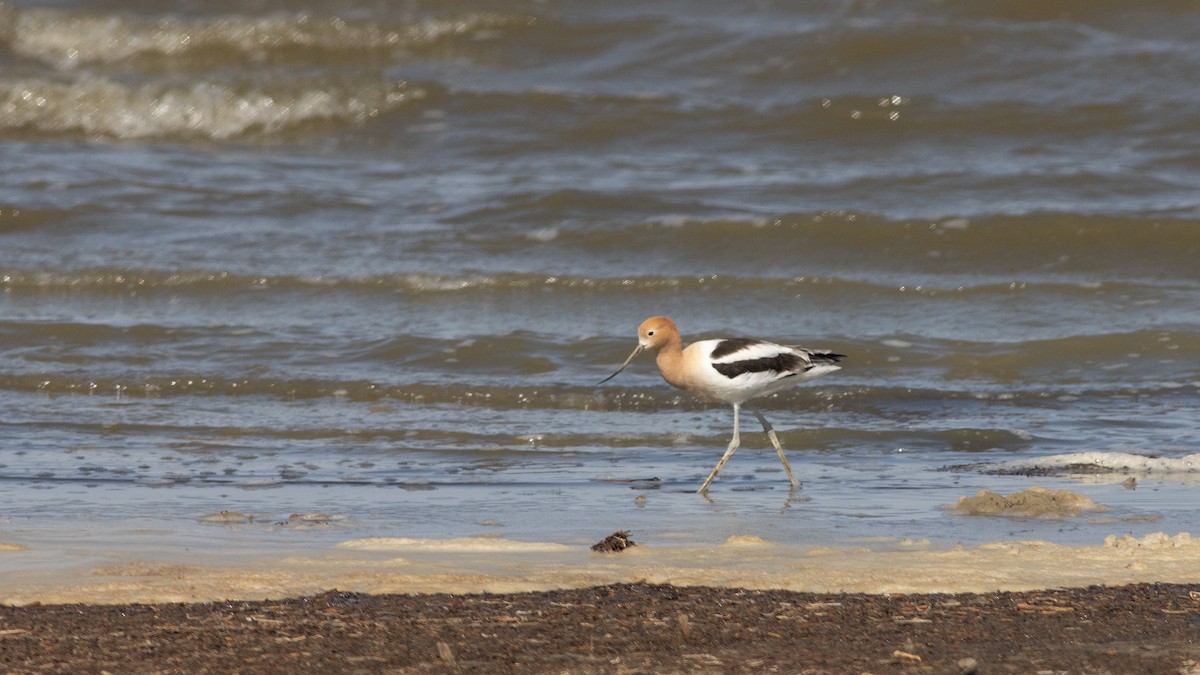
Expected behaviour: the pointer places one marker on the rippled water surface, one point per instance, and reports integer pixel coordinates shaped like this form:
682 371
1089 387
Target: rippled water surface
371 259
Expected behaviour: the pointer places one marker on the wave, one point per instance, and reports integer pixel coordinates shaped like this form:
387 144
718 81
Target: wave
475 395
1035 244
535 393
207 109
123 76
70 39
1041 247
665 55
1068 10
1079 358
1096 465
566 118
20 219
142 282
1118 462
130 281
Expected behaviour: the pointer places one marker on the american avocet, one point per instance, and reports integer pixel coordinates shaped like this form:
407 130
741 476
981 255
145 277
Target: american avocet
733 371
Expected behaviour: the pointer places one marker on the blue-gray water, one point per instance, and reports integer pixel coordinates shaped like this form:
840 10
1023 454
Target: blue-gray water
371 260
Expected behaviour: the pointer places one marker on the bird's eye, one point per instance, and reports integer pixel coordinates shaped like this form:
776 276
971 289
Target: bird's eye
649 332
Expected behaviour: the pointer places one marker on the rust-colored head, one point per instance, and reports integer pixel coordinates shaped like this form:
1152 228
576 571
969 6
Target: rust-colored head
654 333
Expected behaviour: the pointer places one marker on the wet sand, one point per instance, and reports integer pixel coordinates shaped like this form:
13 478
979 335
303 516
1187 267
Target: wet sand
629 628
69 573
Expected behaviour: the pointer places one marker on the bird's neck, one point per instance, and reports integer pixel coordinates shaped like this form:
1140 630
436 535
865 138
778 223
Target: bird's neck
670 362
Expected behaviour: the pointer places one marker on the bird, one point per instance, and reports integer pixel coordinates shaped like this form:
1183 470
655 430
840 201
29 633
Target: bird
731 371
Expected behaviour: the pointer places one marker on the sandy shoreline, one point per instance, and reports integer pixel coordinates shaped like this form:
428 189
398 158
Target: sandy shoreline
496 605
493 565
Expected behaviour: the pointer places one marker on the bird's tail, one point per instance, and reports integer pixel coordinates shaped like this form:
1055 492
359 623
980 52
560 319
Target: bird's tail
824 357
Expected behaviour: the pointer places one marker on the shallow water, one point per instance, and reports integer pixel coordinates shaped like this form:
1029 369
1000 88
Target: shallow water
372 261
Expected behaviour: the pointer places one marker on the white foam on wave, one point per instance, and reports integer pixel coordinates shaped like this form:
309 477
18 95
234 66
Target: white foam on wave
543 235
100 106
70 39
1122 462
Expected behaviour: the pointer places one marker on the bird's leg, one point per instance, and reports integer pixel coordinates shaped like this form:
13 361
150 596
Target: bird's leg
733 446
778 448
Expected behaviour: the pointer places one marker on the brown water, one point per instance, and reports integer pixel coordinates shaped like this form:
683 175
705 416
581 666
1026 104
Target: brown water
370 259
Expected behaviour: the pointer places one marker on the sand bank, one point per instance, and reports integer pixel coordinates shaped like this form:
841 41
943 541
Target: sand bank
466 565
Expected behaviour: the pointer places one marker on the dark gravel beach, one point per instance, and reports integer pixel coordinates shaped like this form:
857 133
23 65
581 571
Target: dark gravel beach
623 628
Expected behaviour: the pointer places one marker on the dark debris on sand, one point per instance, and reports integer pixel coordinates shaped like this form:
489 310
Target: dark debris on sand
629 628
614 543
